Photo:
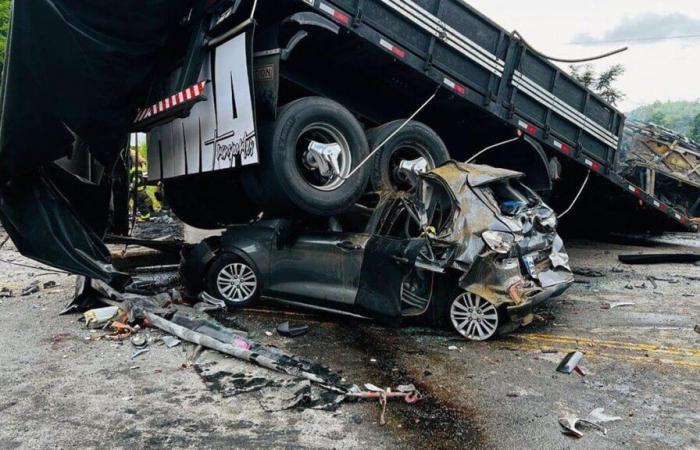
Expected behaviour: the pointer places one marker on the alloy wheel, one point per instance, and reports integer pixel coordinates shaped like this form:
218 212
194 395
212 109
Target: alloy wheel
237 282
474 317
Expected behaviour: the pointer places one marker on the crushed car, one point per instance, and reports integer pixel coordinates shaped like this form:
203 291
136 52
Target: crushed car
470 247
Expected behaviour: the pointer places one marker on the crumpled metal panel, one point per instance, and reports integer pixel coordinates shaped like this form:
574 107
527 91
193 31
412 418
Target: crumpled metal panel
498 278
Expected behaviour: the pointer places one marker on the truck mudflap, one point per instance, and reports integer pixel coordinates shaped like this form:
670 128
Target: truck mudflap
74 70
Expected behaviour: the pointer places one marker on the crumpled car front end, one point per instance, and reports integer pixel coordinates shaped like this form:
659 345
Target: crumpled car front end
498 235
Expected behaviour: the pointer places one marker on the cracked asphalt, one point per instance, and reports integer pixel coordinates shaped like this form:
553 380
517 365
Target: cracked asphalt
60 389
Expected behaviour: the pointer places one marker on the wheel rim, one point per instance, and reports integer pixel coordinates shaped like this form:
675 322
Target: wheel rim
473 317
325 134
237 282
406 152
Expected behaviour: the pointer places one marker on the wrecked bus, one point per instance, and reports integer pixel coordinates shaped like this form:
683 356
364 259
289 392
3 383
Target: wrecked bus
291 107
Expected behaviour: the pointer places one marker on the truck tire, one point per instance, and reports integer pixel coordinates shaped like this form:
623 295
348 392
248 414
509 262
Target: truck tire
286 182
415 140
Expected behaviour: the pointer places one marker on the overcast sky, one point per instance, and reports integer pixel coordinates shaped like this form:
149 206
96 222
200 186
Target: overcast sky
657 69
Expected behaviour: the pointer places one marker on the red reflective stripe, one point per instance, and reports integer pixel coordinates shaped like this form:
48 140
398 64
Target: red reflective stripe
344 18
172 101
398 52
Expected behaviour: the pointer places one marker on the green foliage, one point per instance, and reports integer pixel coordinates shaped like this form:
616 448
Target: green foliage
601 83
5 6
680 116
695 129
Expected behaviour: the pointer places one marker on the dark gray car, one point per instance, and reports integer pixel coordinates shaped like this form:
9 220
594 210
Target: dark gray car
471 247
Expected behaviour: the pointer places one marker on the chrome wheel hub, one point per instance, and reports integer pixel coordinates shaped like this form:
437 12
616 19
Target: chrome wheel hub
324 158
237 282
474 317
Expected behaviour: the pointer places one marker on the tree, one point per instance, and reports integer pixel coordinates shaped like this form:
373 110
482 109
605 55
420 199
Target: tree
695 131
601 83
5 6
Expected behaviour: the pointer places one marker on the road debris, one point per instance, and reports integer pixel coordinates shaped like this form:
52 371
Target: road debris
613 305
292 330
660 258
570 362
170 341
408 393
587 272
594 420
33 288
97 318
138 353
139 340
697 329
6 293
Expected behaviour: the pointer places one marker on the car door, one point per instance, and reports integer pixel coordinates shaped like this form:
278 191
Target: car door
319 266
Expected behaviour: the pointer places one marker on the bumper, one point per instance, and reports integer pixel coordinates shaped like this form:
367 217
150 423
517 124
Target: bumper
519 312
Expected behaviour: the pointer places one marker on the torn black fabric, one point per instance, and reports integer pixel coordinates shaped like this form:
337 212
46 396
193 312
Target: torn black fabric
82 67
44 227
75 70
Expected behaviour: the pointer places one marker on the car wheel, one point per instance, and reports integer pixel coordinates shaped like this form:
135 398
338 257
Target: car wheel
474 317
415 140
291 177
233 280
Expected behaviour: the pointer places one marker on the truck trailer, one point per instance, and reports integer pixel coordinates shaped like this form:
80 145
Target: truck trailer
285 108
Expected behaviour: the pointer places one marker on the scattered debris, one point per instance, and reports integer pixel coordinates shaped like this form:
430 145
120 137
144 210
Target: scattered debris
697 329
49 285
617 270
586 272
407 392
96 318
170 341
661 258
613 305
139 340
33 288
292 330
6 293
593 420
452 348
570 362
138 353
209 303
653 282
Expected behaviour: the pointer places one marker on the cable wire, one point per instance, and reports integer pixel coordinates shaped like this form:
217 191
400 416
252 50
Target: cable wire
517 35
491 147
580 191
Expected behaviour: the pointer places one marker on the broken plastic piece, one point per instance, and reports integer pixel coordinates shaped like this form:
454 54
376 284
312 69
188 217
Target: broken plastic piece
569 363
95 318
138 353
292 330
170 341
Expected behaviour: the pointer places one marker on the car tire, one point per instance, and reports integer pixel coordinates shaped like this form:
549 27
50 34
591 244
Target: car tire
474 317
284 183
233 280
415 140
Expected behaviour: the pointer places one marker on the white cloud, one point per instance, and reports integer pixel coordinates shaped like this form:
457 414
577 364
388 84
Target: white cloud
659 70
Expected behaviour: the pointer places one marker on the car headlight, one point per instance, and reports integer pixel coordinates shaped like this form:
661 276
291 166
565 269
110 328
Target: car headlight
498 242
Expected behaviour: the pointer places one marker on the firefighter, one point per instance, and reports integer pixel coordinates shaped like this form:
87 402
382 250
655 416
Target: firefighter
137 177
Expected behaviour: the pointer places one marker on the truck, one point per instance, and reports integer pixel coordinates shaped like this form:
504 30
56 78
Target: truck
286 108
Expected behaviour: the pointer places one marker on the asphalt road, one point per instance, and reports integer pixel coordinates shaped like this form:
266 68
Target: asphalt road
60 389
